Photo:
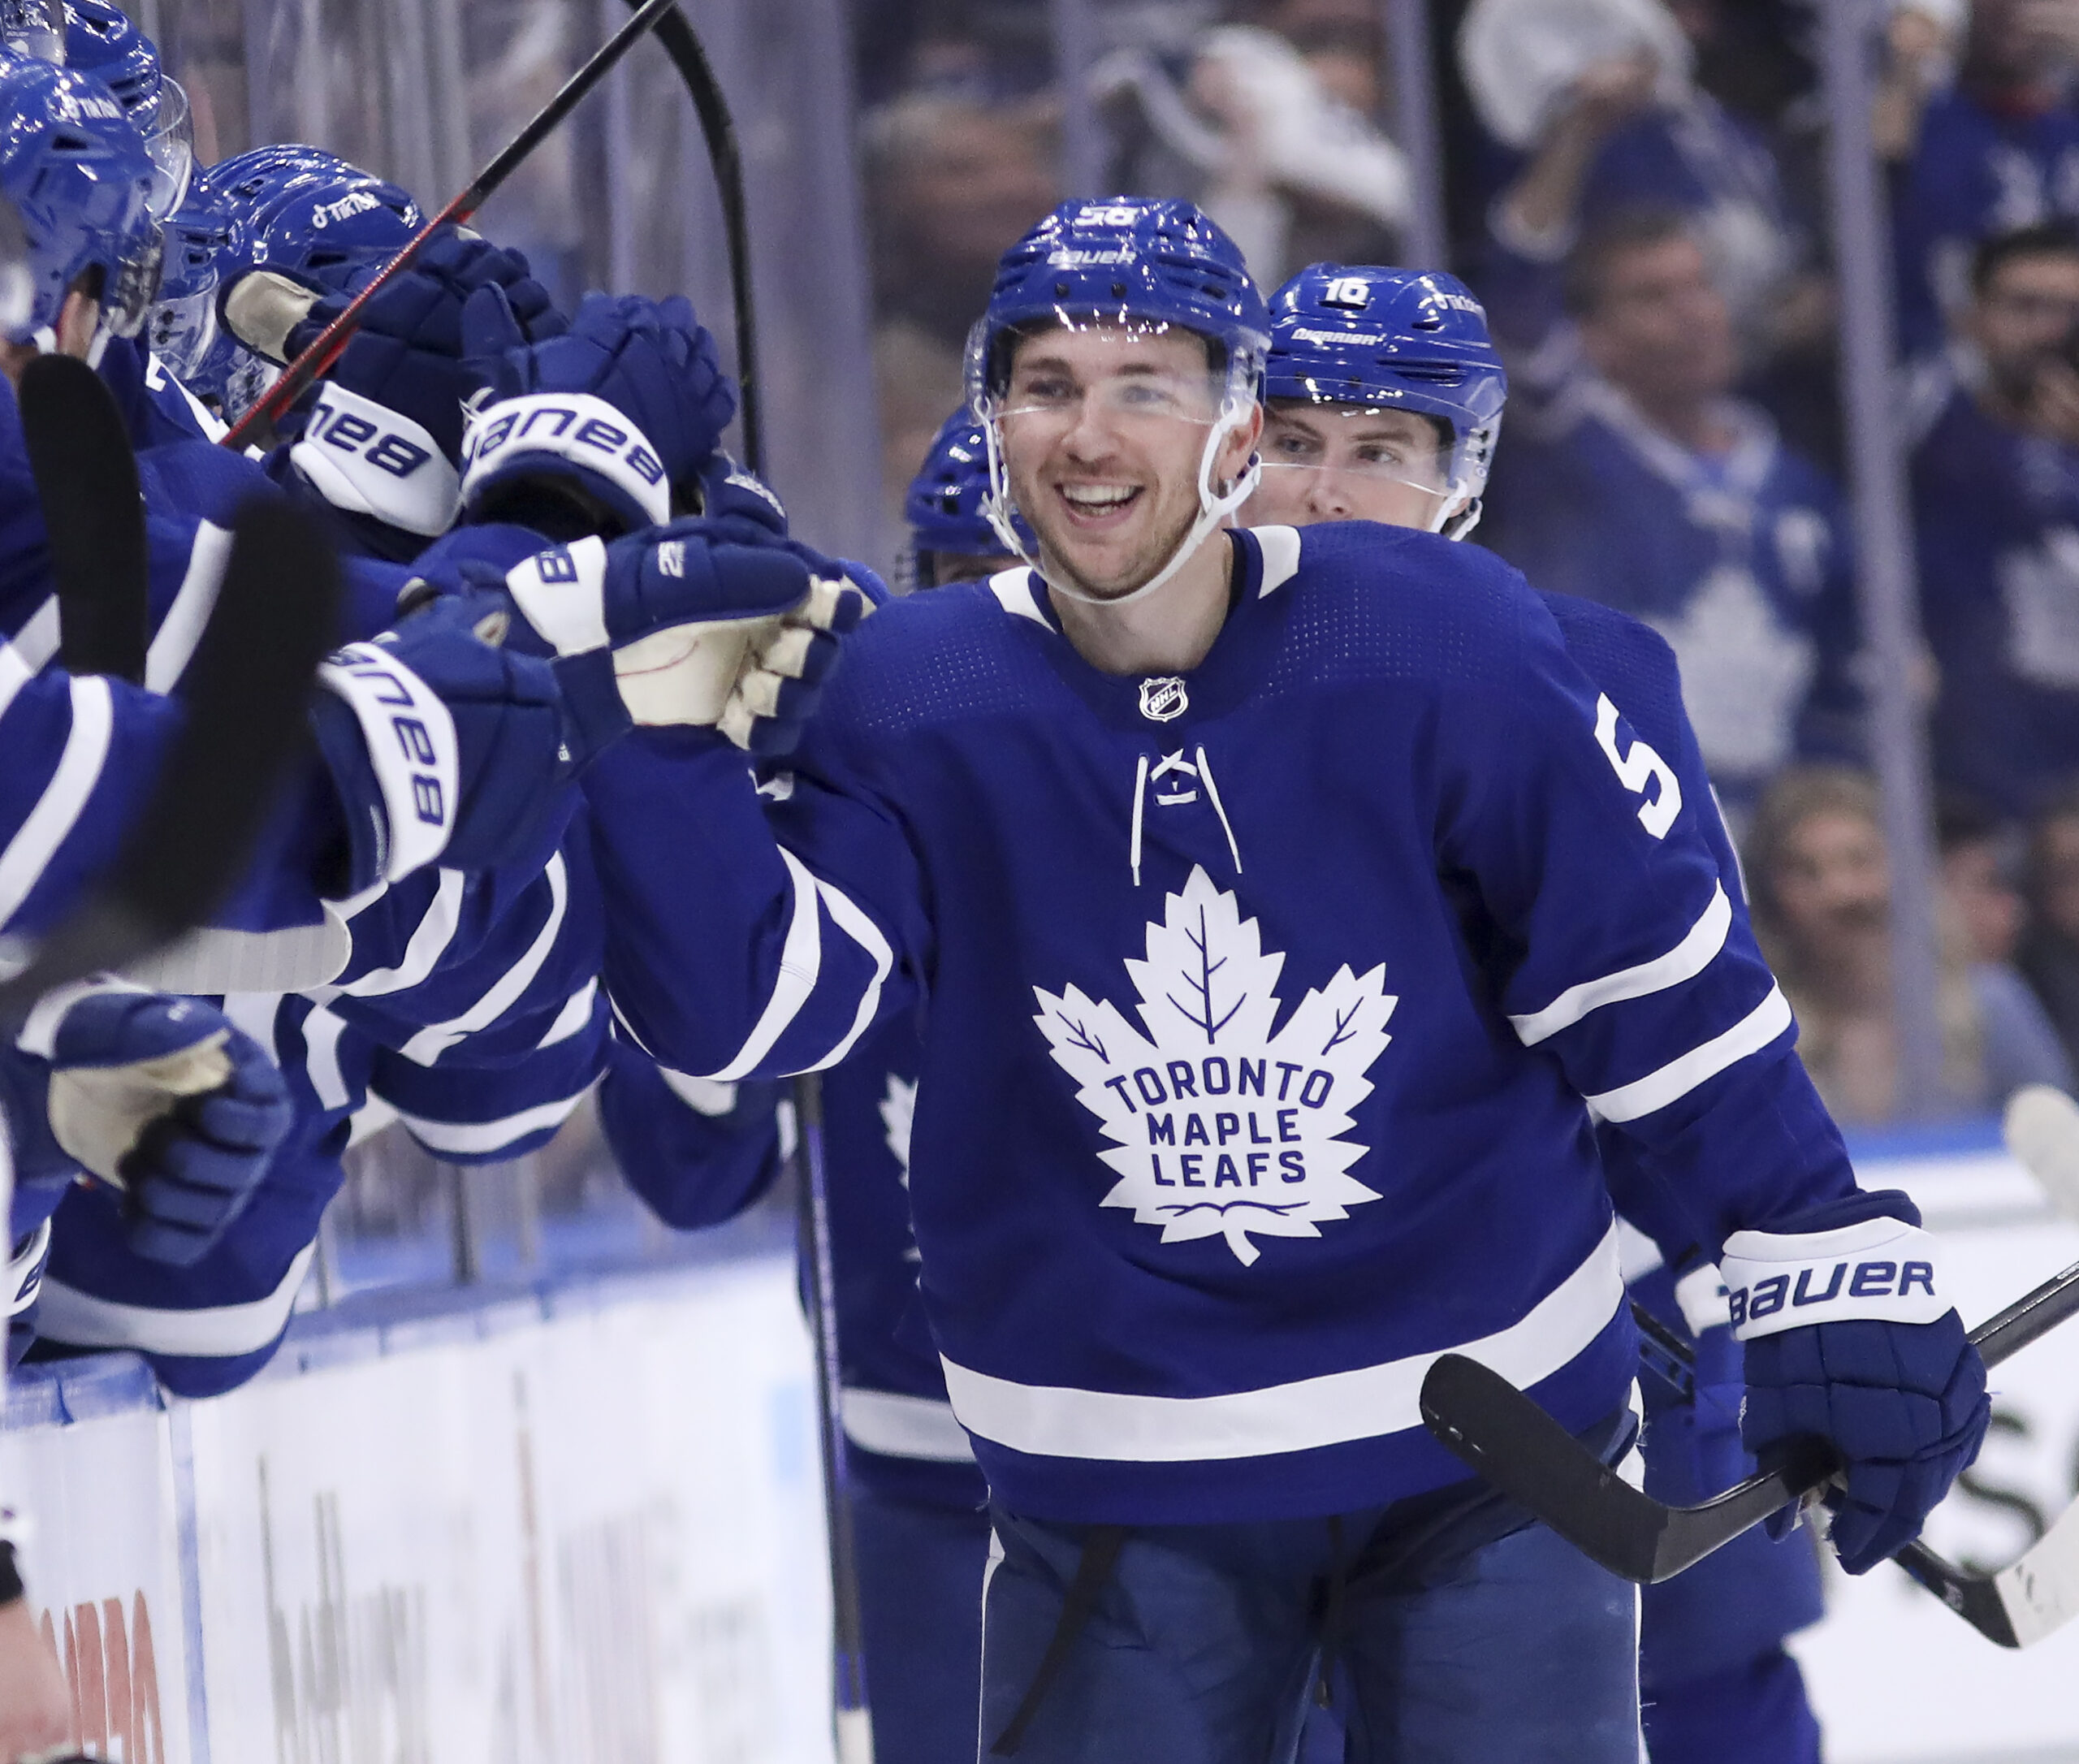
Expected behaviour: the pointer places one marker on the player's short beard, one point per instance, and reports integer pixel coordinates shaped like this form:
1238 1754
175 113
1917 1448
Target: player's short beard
1152 555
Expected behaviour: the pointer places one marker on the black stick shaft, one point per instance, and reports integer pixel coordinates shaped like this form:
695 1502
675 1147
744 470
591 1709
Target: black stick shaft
332 342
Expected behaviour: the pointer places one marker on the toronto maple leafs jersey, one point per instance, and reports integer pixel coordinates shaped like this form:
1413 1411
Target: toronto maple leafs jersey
1267 1009
1741 563
1976 171
1997 515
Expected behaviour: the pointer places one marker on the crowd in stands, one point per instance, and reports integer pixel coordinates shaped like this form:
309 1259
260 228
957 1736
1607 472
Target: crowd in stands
1636 188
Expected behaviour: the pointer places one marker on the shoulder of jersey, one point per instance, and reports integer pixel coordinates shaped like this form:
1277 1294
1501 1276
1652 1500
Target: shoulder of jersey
1420 577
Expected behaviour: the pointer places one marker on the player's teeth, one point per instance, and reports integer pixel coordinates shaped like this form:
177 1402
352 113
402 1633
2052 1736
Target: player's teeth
1094 498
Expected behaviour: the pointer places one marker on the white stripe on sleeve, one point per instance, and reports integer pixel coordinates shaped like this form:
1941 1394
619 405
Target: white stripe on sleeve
479 1137
801 960
436 1039
862 931
1684 961
172 645
58 811
428 942
217 1332
1677 1077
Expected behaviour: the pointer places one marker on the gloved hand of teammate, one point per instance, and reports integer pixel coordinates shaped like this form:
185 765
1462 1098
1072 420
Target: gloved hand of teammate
383 434
1850 1335
162 1098
702 632
738 505
619 412
447 747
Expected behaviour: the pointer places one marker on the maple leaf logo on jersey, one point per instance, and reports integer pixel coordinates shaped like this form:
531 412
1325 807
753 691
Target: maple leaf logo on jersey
1222 1128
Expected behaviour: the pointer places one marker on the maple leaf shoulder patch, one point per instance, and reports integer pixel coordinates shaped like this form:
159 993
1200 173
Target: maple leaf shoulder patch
1220 1127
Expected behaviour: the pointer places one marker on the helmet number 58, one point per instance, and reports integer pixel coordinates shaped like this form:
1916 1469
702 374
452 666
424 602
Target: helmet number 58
1636 768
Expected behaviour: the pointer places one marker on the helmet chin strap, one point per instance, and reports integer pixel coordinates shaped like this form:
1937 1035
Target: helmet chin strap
1214 506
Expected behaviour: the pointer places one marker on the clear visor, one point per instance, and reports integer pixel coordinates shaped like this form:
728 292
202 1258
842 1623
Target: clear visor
171 144
129 298
1364 445
17 278
34 27
1133 373
183 330
247 382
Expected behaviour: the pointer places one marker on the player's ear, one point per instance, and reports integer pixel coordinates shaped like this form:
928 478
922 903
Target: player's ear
1245 439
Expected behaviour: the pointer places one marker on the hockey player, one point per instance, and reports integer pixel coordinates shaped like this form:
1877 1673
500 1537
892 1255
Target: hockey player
1384 401
1183 1342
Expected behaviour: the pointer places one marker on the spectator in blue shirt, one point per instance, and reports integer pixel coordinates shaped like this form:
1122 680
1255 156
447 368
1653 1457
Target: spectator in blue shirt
1646 485
1996 502
1998 151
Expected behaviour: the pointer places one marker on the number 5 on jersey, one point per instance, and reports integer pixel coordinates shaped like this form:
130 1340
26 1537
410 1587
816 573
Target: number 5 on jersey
1638 768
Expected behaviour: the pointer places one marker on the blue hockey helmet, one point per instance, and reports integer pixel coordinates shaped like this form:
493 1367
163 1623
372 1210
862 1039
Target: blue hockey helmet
1130 261
75 168
294 211
184 330
1400 339
100 39
946 506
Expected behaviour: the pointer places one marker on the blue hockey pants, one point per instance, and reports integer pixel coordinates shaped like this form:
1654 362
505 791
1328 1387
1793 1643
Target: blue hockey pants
1203 1644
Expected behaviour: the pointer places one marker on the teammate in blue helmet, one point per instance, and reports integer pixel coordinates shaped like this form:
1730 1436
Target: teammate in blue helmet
1168 326
1384 395
261 235
75 168
952 537
34 27
100 39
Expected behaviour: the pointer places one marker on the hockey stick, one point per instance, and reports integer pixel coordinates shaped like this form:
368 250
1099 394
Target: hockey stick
93 517
696 73
1492 1426
2016 1605
332 342
247 693
853 1720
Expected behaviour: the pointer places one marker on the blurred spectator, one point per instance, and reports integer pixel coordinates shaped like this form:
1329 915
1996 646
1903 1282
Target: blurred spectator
1269 124
1996 500
2049 956
1998 150
1816 864
1977 852
1648 487
1605 102
950 184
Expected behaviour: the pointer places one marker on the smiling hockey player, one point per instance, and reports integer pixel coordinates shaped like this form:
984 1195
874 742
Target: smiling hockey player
1395 902
1384 401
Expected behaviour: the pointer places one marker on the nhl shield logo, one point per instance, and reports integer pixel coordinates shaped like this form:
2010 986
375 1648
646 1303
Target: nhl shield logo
1162 699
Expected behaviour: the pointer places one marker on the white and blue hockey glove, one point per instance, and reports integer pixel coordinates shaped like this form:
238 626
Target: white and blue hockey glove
1850 1334
615 417
703 633
445 747
382 435
164 1099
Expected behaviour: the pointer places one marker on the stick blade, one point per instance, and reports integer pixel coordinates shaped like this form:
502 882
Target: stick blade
1494 1428
2040 1126
1973 1597
93 515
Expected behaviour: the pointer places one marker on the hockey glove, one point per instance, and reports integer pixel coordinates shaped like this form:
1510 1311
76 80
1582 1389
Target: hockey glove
446 748
383 436
163 1099
1850 1335
738 637
616 414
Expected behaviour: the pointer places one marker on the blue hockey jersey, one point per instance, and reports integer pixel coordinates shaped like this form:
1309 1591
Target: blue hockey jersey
1741 563
1997 522
1267 1009
1975 172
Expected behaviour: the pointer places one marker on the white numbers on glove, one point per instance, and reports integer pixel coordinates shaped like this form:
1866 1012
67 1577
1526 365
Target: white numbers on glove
1637 768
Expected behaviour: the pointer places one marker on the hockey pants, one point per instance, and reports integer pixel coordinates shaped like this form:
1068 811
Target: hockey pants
1204 1645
